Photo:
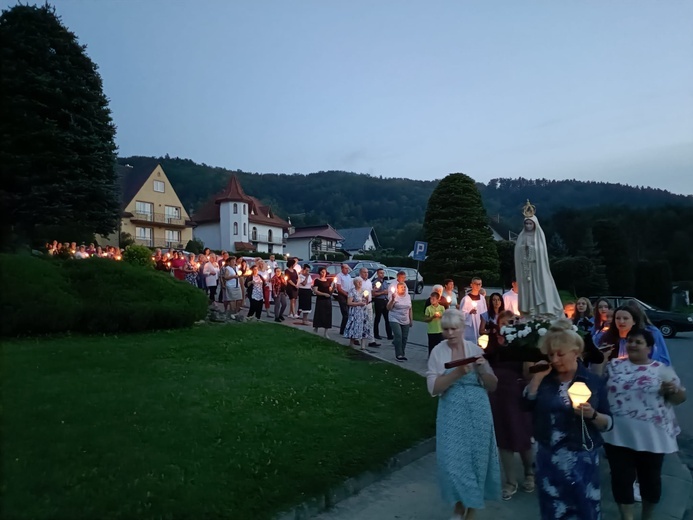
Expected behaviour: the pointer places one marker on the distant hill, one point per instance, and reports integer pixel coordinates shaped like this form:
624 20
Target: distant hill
396 207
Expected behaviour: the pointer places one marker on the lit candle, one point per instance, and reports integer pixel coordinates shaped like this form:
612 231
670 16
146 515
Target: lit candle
118 257
168 264
365 294
393 289
378 285
286 278
483 341
448 299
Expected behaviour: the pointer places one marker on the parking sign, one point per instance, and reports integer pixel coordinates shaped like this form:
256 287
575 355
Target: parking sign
420 251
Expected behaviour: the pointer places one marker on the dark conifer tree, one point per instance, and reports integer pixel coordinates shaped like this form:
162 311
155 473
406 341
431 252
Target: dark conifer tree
57 149
460 243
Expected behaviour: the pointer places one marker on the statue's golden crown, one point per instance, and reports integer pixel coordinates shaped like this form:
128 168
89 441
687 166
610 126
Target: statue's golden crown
529 210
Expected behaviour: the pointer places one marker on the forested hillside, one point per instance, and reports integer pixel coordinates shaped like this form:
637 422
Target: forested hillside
649 223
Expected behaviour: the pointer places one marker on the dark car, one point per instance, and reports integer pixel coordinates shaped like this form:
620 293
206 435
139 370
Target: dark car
415 281
356 265
669 323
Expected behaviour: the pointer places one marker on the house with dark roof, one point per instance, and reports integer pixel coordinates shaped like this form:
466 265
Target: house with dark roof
313 242
359 240
234 221
151 211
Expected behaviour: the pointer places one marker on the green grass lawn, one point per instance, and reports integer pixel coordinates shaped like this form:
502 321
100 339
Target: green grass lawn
236 421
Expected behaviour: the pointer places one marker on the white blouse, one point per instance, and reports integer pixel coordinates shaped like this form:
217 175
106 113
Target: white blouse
442 354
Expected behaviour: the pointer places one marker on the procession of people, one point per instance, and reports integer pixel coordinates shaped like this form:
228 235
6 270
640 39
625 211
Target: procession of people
593 386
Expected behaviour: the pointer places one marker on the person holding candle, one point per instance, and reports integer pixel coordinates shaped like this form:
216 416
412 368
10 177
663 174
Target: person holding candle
211 273
473 305
616 337
380 288
292 287
570 409
490 317
448 294
513 425
466 452
201 279
322 288
243 272
433 313
305 294
367 288
278 283
255 284
343 283
583 318
190 270
400 315
358 326
178 266
642 394
602 319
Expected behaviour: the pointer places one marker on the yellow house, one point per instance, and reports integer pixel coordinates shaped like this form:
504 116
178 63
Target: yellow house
152 213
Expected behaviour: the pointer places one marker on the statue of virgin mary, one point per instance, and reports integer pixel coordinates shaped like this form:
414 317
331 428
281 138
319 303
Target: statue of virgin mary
536 290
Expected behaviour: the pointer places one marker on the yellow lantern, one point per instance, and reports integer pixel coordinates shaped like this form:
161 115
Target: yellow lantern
579 393
483 341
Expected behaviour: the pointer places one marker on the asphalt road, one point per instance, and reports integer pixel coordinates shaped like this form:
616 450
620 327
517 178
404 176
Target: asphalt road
681 351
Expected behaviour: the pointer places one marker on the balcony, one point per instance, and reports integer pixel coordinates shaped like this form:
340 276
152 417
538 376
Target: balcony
162 243
158 218
276 239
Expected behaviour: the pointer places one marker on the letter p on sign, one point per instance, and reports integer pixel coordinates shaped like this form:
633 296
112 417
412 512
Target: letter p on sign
420 251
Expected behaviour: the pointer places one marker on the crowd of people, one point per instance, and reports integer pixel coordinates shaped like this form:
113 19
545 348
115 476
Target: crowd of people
81 252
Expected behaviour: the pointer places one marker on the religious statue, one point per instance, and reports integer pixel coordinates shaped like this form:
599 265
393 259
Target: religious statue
537 293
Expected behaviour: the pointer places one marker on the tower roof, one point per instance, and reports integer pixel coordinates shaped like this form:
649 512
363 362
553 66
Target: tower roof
233 192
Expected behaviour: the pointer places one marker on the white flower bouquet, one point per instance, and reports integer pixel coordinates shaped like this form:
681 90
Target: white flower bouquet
526 332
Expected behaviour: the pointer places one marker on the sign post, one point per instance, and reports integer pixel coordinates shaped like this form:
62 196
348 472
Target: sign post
419 255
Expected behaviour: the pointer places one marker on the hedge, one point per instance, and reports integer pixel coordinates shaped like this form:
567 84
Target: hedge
42 296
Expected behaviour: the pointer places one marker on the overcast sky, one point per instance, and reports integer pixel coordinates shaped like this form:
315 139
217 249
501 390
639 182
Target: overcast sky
598 90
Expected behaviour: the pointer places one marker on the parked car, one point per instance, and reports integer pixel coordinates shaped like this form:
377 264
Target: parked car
415 281
669 323
356 265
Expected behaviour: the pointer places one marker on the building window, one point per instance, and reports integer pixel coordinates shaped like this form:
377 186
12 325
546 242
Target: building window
269 236
254 233
159 186
235 208
245 208
143 236
172 237
235 228
245 230
144 210
172 213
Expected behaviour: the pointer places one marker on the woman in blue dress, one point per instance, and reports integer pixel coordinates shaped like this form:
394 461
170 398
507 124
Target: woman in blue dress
568 439
467 456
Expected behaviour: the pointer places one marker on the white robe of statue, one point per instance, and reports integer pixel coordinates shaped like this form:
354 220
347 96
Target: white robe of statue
537 293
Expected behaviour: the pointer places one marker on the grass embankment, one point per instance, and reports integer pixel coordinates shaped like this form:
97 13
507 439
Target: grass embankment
235 421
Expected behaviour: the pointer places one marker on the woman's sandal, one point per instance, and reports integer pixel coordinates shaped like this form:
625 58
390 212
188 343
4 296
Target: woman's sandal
508 491
528 485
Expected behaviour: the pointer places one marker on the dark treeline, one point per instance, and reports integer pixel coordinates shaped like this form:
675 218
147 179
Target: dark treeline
648 225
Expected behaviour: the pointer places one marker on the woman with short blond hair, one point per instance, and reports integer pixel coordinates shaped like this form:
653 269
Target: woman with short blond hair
568 438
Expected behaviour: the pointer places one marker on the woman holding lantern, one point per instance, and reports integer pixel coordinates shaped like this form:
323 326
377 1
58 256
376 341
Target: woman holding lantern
570 410
642 396
400 316
465 443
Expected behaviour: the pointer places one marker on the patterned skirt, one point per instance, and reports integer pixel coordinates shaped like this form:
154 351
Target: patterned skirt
468 468
568 484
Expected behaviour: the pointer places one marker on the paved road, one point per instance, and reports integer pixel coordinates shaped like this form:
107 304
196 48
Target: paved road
681 350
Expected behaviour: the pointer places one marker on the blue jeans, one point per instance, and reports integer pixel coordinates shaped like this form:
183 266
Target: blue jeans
401 334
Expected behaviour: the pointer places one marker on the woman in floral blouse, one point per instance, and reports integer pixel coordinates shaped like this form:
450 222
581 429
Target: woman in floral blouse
642 393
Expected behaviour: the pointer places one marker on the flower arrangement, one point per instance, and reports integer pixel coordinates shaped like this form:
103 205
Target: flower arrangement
526 332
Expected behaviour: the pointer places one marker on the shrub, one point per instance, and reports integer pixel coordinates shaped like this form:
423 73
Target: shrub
138 255
96 295
35 297
195 246
118 297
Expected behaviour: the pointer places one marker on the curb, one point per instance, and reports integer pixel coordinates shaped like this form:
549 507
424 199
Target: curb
316 505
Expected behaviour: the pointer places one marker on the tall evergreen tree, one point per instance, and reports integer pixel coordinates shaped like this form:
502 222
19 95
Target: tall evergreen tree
460 243
57 148
557 248
618 262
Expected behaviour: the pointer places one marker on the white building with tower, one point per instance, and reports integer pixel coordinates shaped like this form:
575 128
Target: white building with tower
234 221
